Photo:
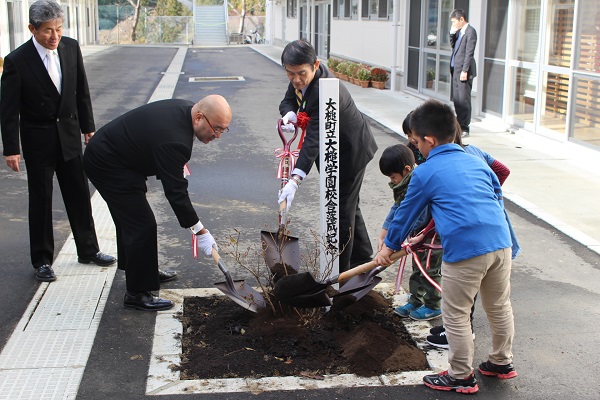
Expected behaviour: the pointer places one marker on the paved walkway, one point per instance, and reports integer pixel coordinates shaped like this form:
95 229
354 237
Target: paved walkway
557 182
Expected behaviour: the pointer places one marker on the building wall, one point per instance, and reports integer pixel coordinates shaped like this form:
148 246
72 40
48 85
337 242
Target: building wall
355 40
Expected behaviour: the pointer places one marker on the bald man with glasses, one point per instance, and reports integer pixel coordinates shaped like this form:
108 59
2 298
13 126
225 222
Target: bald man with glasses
153 140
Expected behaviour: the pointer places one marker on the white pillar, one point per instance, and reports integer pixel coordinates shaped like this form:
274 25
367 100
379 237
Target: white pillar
329 93
394 69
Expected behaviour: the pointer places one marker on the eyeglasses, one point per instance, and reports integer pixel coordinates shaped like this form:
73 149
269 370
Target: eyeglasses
218 131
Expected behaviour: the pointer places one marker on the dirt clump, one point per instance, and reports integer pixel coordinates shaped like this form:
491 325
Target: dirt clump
222 340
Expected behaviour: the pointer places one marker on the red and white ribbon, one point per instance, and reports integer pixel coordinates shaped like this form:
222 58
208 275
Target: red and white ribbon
282 154
195 245
186 171
400 274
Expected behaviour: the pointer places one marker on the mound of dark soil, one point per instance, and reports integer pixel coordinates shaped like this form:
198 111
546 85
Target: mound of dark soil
222 340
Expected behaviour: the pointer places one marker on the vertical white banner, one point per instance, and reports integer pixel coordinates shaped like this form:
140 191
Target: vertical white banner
329 162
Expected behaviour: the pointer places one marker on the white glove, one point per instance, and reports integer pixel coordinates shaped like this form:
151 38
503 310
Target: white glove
288 128
289 117
287 193
206 242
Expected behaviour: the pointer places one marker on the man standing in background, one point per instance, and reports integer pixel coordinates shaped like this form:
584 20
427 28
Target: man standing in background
463 39
45 107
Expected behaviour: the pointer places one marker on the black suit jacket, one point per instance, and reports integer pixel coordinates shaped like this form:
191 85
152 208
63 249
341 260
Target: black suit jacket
357 144
464 57
30 103
155 139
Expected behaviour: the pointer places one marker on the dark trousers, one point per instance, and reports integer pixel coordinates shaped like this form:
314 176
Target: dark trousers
421 290
461 96
76 196
353 231
124 191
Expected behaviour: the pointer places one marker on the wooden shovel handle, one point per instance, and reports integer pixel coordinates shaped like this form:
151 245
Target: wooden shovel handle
282 206
216 256
344 276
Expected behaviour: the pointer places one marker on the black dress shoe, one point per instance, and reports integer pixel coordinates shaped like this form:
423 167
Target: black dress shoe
100 259
146 301
45 273
166 275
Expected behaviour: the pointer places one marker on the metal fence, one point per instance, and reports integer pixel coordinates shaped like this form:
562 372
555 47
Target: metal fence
116 24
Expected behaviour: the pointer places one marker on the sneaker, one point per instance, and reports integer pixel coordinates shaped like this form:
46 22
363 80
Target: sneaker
424 314
405 310
499 371
443 381
440 340
436 330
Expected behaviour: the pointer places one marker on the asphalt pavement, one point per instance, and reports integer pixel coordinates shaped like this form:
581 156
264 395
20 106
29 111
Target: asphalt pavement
552 197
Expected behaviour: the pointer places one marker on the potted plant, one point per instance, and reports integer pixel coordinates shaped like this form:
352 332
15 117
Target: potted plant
363 74
342 69
430 77
332 64
352 66
378 77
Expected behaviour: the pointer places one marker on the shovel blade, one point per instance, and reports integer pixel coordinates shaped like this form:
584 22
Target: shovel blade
302 290
243 294
348 297
280 249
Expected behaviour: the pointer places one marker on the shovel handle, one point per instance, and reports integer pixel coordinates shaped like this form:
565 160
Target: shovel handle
282 206
215 255
344 276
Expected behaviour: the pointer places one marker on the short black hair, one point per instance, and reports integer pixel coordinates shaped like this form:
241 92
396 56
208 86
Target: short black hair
435 119
458 14
298 52
406 124
395 158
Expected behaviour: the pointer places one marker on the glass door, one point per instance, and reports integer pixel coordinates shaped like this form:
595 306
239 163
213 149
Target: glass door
555 71
322 17
435 73
540 66
585 87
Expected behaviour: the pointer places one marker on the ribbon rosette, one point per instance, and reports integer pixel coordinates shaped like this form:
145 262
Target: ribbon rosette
303 120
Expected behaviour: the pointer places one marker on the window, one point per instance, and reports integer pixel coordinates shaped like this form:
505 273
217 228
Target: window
345 9
291 8
377 9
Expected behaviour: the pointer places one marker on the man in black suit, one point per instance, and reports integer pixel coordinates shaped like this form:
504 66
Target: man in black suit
463 39
45 98
153 140
357 146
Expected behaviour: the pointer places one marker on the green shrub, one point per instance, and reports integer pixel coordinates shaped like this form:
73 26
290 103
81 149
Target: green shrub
363 73
332 64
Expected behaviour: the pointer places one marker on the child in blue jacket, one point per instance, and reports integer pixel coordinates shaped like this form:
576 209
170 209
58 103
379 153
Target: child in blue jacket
466 203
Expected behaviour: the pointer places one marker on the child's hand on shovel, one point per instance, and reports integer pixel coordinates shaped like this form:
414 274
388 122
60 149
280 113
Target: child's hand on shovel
383 258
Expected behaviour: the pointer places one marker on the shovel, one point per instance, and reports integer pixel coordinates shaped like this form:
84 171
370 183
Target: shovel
238 290
303 290
357 287
281 250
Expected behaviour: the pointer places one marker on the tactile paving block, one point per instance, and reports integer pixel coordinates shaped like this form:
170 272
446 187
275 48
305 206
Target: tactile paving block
40 384
70 303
